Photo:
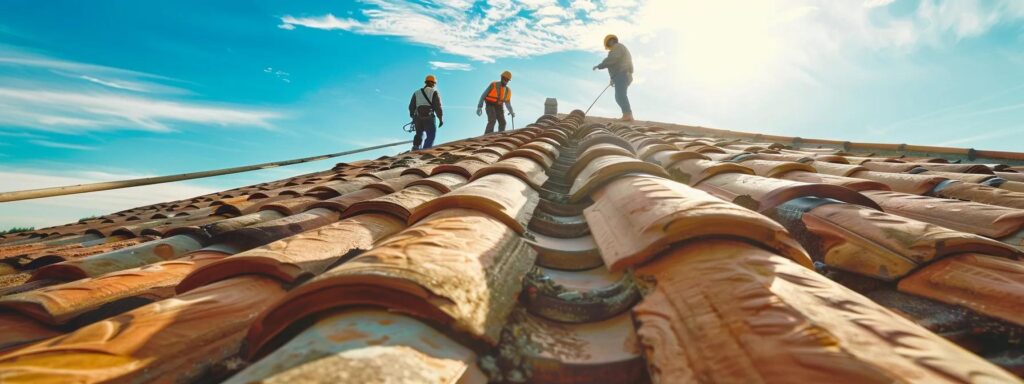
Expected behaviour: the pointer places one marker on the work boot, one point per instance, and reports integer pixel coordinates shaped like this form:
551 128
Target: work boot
627 117
415 148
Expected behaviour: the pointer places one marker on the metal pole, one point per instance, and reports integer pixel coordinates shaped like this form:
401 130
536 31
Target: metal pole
107 185
598 98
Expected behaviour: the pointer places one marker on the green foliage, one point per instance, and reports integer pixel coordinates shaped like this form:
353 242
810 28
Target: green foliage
16 230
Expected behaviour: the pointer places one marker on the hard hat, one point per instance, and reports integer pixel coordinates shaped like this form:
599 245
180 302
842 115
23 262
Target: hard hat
431 79
609 38
506 75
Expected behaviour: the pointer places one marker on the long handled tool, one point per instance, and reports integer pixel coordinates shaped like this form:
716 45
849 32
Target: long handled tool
598 98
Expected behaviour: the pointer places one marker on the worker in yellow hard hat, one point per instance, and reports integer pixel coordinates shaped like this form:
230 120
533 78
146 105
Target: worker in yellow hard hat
620 68
425 104
497 95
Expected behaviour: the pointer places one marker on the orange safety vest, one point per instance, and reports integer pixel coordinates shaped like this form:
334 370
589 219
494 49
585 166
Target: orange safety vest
504 94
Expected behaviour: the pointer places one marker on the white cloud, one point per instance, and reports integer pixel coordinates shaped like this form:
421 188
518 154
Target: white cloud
450 66
65 209
54 144
877 3
497 29
73 111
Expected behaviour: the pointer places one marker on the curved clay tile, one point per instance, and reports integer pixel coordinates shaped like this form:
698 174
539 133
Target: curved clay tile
836 159
421 171
341 203
173 340
605 138
228 225
485 157
591 153
516 142
374 346
504 197
558 136
302 255
291 206
495 149
399 203
557 205
763 194
965 177
1011 176
575 254
990 285
853 183
17 330
443 182
338 188
597 352
605 169
727 311
777 157
636 217
578 296
60 304
693 171
902 182
266 232
1012 186
981 219
394 184
980 194
563 227
860 160
464 168
668 158
458 268
546 148
524 168
771 168
956 168
121 259
57 254
886 246
879 166
836 169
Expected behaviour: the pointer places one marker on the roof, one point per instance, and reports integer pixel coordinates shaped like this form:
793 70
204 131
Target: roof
577 249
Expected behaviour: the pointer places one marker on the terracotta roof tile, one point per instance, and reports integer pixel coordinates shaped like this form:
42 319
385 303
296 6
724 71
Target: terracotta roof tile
472 261
763 194
560 198
887 246
986 284
171 340
303 255
729 311
636 217
366 345
504 197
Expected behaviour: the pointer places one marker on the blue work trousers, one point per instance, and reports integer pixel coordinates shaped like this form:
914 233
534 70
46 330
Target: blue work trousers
424 125
622 81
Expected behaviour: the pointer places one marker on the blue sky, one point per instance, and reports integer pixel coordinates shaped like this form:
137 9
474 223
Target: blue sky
93 91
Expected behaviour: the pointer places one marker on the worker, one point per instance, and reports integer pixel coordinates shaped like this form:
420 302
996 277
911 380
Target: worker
620 68
496 96
425 104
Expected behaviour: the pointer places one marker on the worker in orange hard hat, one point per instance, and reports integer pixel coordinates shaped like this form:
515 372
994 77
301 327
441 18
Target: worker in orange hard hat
425 104
620 68
497 95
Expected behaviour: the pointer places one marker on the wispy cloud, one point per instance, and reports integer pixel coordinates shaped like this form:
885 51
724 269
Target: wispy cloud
106 98
279 74
450 66
490 30
54 144
74 112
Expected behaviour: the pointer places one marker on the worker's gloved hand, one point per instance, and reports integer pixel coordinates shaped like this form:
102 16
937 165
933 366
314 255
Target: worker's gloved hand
513 114
611 83
479 111
441 122
595 67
